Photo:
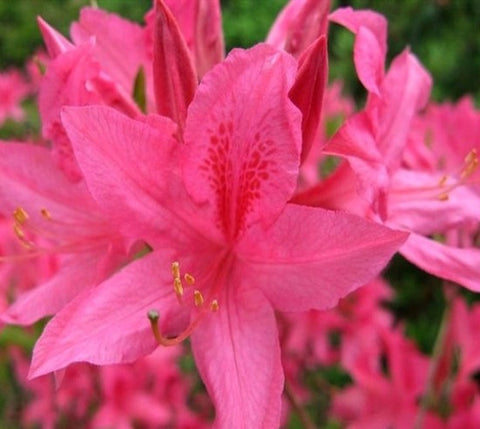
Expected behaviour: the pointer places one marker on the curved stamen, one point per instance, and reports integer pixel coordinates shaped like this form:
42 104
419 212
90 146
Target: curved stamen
154 317
218 273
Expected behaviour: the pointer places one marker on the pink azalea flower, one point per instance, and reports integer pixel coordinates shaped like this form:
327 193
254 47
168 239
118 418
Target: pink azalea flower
228 247
374 142
56 221
13 89
386 391
92 70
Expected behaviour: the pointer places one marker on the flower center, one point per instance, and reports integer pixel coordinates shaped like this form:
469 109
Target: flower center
446 184
203 306
42 234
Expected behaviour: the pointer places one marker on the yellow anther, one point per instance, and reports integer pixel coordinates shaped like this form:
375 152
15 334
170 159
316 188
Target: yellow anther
19 231
214 305
443 197
21 236
443 181
471 161
198 298
471 156
177 286
45 214
189 279
175 270
20 215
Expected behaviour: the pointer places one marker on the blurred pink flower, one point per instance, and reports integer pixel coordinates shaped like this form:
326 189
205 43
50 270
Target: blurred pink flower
13 90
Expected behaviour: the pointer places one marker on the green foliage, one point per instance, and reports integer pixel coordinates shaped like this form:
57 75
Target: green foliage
246 22
19 34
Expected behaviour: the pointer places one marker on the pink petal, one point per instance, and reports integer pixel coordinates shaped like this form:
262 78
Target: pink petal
30 179
311 257
298 25
237 353
64 83
119 46
307 92
404 92
175 80
369 60
201 25
242 139
109 324
56 44
127 164
416 203
370 45
355 141
460 265
76 273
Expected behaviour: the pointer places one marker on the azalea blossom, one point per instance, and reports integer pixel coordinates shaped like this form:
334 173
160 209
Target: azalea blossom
54 223
215 211
374 182
13 90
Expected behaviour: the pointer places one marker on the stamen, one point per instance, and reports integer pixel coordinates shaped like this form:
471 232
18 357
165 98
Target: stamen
189 279
153 317
443 180
20 215
178 286
198 298
214 305
175 269
471 164
45 214
443 197
21 236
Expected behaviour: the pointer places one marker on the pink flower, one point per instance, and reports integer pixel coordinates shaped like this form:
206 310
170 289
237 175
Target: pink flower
387 387
98 68
13 89
215 211
54 221
374 142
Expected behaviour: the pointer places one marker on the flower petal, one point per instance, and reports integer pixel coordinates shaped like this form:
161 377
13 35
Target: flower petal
201 25
109 324
370 47
298 25
126 163
175 80
307 92
119 44
311 257
54 41
76 274
242 139
460 265
238 355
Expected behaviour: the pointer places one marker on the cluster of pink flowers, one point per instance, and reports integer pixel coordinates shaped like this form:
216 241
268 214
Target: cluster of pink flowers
178 194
